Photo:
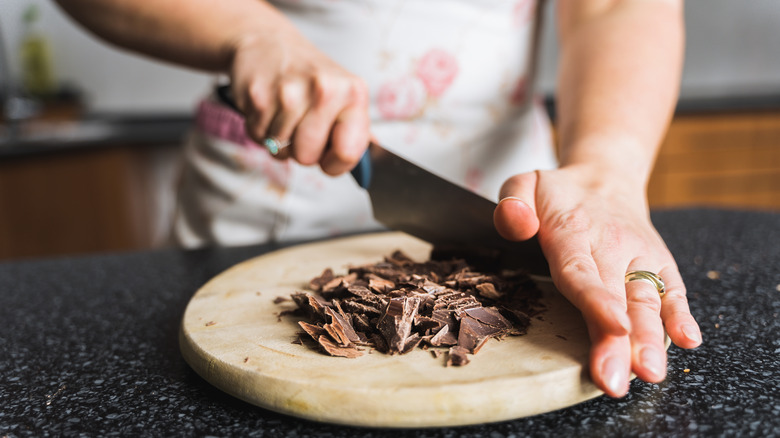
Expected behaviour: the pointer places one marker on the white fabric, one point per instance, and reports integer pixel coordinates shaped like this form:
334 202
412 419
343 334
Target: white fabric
447 83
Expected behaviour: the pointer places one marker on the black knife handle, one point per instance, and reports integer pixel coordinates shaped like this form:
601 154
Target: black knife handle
361 173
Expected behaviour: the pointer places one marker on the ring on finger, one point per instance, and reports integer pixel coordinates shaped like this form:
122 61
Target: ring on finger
274 145
648 277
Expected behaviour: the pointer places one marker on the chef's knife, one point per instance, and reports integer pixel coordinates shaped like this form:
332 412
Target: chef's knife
408 198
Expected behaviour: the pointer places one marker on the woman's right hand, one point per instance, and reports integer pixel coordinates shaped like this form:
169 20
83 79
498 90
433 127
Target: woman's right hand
290 91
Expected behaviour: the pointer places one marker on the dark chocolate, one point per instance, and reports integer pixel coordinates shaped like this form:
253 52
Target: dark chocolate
397 305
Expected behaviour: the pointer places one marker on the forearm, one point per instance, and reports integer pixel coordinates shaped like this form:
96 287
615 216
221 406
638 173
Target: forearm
619 76
202 34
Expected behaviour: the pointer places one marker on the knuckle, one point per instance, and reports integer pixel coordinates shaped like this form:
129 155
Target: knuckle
575 220
290 94
307 147
345 155
358 91
578 266
259 96
322 87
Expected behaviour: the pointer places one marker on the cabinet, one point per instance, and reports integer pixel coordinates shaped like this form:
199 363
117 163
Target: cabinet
97 199
719 159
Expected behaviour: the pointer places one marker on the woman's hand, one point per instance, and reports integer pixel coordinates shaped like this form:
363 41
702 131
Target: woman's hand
592 231
291 92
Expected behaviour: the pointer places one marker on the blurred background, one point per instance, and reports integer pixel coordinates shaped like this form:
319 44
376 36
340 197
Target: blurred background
90 135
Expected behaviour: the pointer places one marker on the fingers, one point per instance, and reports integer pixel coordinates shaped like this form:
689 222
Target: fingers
679 323
339 115
648 355
515 215
324 117
258 103
610 362
577 276
292 103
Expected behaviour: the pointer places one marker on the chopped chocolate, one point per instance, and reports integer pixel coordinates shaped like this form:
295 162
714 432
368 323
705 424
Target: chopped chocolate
488 290
457 356
337 350
398 305
443 337
317 283
396 323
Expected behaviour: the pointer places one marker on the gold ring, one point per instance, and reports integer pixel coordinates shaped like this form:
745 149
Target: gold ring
648 277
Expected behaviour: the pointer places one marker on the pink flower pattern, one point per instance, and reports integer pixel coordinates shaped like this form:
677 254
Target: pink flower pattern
437 69
401 98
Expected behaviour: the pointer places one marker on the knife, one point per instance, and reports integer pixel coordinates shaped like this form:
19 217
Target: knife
408 198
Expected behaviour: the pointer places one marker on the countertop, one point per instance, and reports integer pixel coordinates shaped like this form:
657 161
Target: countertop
90 347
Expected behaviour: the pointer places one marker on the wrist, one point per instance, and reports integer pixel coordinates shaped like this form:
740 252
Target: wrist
614 160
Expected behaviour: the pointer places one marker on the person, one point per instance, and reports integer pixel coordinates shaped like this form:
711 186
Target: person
446 84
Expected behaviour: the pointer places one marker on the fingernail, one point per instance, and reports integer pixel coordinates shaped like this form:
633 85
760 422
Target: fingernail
615 375
691 332
653 360
514 198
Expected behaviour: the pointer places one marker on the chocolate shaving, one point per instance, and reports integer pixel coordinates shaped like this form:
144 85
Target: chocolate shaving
398 305
457 357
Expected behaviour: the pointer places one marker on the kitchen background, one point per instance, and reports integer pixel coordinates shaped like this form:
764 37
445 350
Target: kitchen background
95 169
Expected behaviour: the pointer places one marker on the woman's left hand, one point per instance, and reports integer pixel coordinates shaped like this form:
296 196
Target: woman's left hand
593 230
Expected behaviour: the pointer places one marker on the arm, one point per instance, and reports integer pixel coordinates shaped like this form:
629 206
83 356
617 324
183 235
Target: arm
286 88
620 64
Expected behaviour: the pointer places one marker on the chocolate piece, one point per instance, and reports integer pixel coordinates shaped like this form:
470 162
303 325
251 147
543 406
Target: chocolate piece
489 316
443 337
488 290
379 284
337 350
397 305
317 283
473 334
396 323
312 305
457 357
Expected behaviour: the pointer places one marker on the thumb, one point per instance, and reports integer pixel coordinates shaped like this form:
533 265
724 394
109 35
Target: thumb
515 215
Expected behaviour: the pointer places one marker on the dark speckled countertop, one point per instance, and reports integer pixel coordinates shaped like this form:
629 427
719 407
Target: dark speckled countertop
89 347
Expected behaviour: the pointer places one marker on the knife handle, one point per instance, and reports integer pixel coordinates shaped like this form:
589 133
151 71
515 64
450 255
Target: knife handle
361 172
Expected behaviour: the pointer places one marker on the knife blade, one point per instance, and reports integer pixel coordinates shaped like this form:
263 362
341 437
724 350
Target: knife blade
411 199
408 198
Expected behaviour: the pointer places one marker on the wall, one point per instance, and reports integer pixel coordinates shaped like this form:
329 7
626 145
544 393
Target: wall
114 80
732 49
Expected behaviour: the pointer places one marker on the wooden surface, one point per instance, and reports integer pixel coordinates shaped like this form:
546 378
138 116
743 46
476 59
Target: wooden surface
722 160
231 336
87 200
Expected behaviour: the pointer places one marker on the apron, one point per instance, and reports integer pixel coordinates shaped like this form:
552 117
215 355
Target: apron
450 90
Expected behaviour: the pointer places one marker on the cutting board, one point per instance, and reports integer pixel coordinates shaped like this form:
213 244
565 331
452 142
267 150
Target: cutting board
231 336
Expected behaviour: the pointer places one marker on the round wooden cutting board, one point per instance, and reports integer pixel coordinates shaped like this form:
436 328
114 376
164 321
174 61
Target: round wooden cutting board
232 337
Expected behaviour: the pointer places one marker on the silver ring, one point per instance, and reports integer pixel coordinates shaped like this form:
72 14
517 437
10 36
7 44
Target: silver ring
274 145
648 277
